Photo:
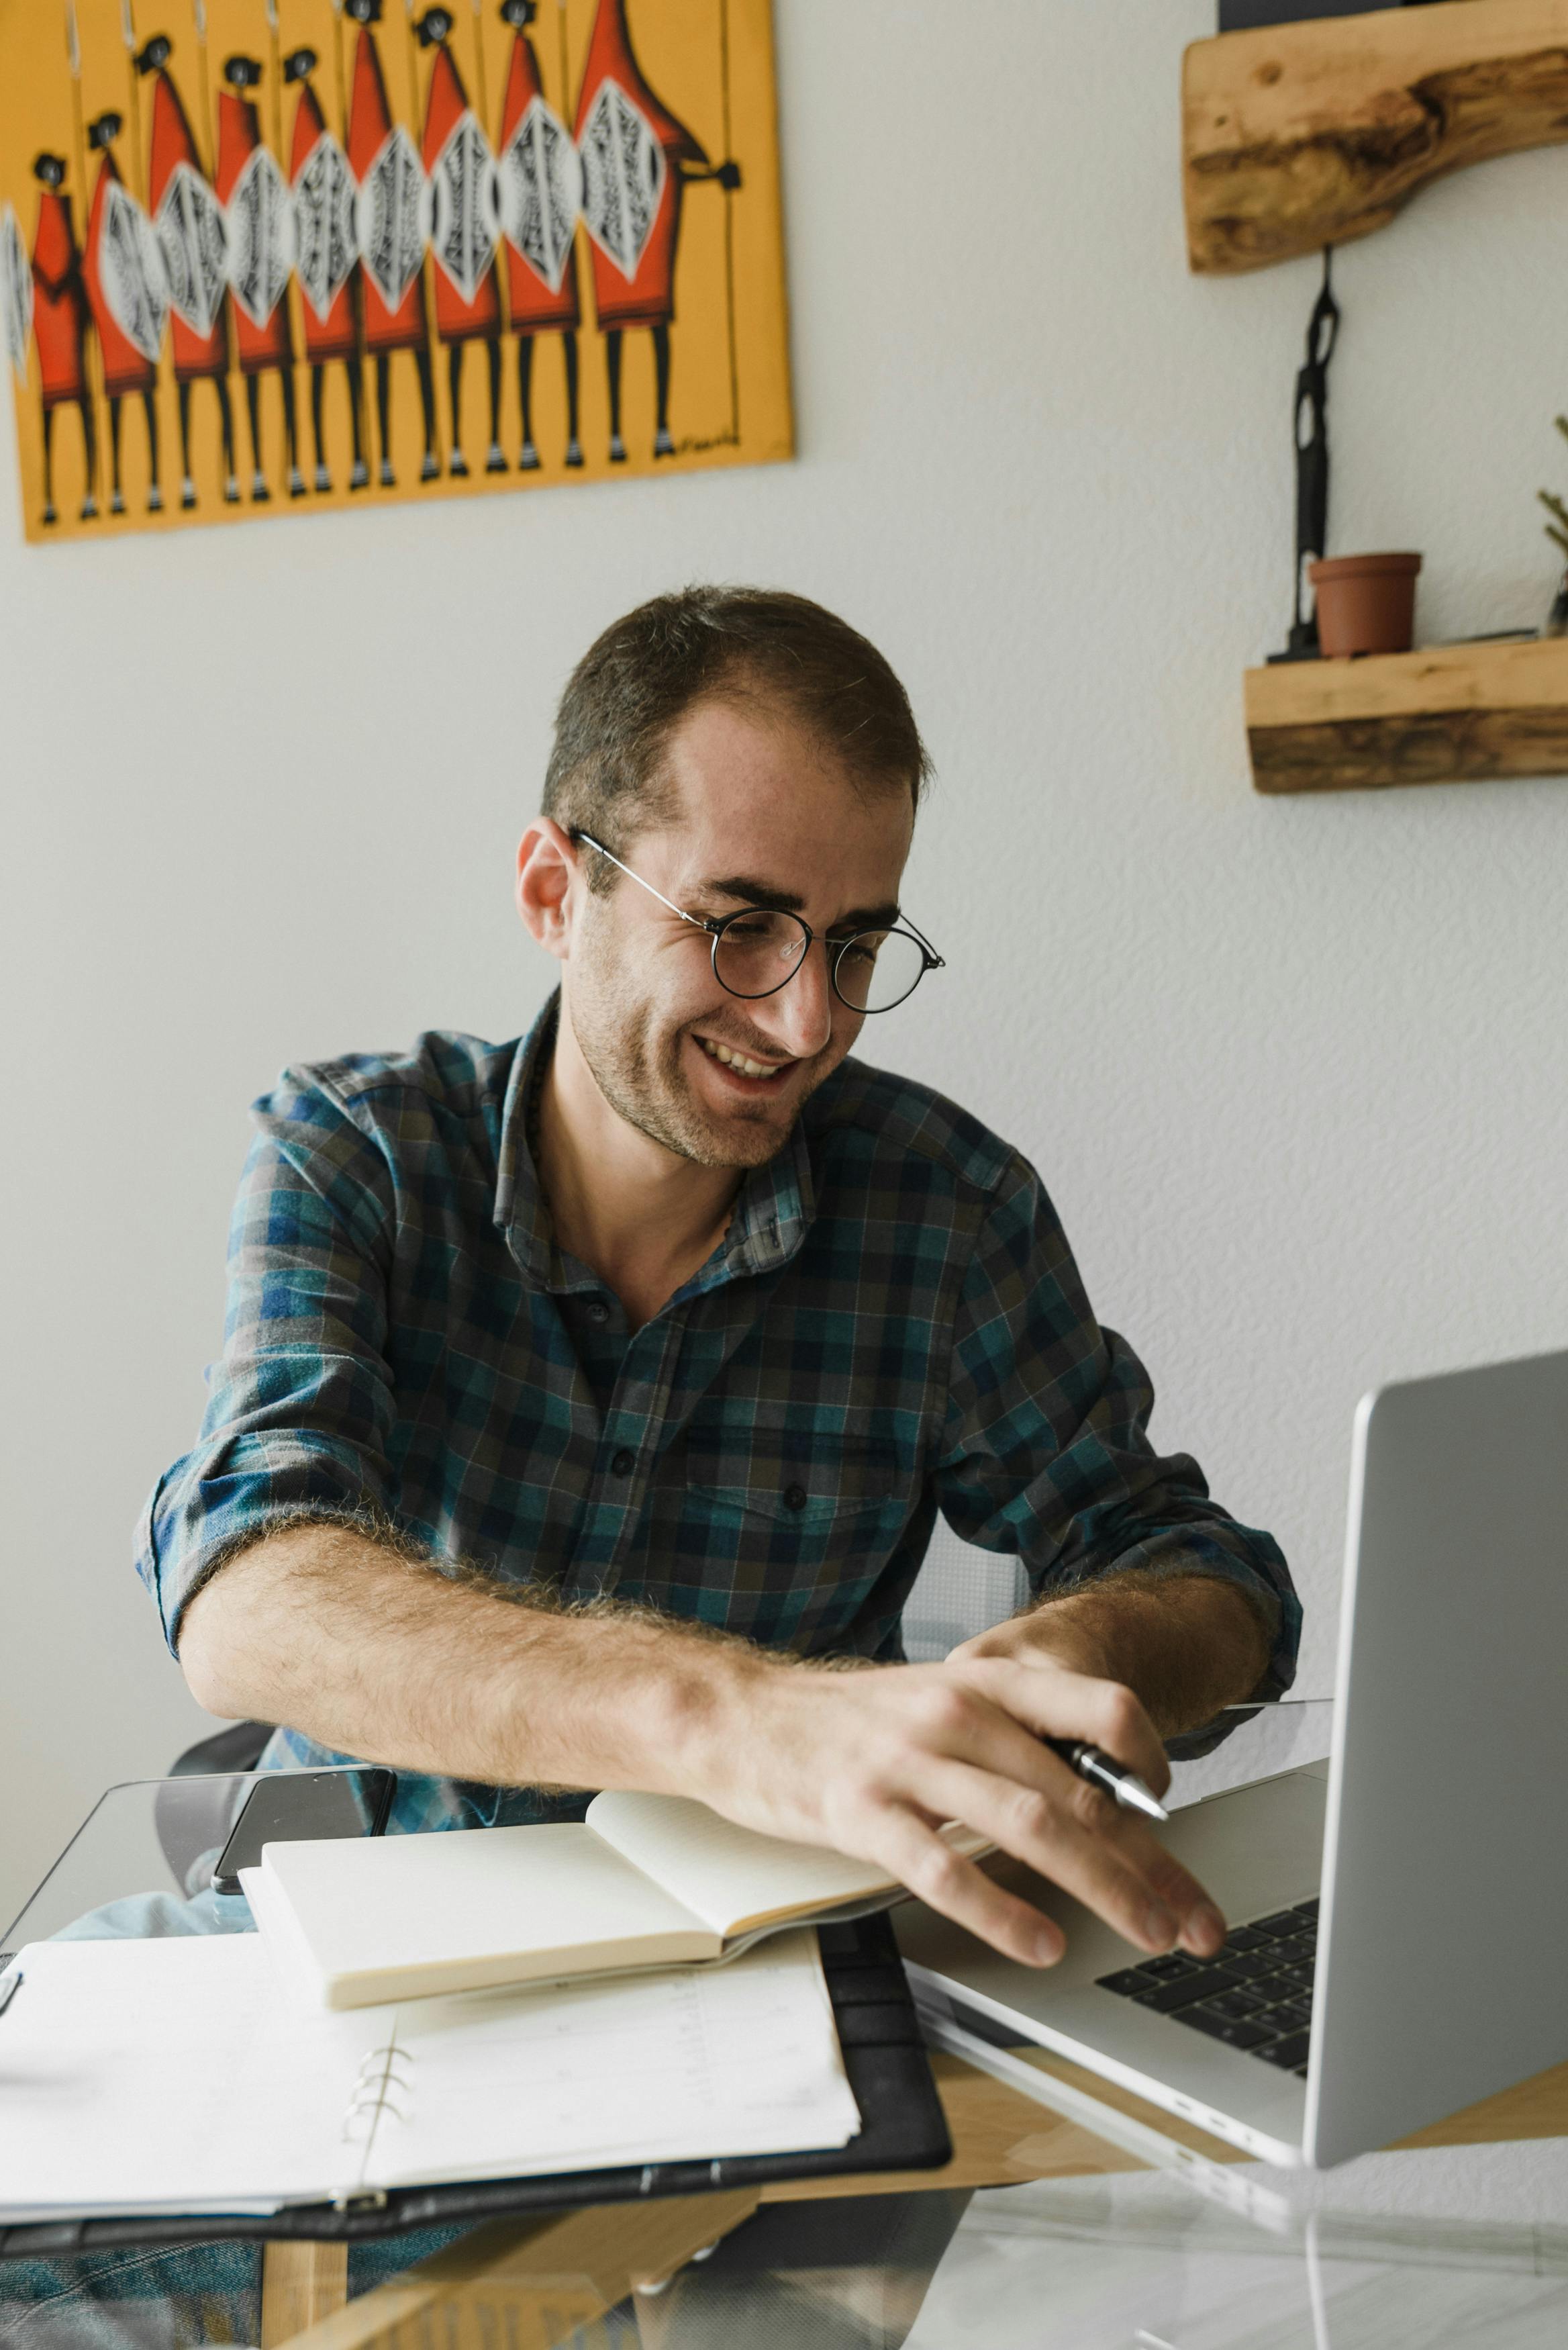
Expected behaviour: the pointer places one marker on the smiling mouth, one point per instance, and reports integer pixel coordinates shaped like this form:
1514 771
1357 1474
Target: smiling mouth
741 1065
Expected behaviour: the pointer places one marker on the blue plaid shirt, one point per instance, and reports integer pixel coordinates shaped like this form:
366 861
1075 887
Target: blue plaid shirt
892 1325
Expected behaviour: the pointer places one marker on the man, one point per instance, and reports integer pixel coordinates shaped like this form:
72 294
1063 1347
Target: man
588 1402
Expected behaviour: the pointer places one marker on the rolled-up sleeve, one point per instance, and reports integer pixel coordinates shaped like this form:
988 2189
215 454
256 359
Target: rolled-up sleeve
300 1405
1045 1453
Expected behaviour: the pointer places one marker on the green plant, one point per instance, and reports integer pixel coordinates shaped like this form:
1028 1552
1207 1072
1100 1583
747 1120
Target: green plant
1557 528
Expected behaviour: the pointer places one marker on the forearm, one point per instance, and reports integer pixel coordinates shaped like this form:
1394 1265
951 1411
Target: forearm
386 1658
1185 1645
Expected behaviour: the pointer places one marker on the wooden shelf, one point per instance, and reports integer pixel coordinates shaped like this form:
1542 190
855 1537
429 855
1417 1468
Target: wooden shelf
1302 135
1451 715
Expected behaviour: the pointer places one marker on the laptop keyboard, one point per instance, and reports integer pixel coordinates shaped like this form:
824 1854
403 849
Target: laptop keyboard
1256 1995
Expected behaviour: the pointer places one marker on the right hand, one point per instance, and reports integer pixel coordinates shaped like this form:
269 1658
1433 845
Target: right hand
873 1761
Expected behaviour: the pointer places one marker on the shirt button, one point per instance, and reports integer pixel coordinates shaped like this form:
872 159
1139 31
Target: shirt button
624 1462
597 1310
794 1497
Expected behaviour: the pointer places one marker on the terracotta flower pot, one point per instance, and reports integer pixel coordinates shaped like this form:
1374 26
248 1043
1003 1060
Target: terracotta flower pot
1365 603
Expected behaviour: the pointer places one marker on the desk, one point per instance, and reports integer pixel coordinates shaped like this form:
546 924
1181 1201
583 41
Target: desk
537 2284
1016 2230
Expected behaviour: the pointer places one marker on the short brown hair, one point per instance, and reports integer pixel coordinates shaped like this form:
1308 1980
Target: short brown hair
636 682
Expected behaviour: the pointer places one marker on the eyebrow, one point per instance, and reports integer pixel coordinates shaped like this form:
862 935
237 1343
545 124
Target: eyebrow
749 891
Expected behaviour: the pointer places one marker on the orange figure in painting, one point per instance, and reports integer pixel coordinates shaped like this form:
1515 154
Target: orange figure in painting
348 207
189 222
60 323
391 236
252 191
323 263
123 273
637 159
541 195
461 173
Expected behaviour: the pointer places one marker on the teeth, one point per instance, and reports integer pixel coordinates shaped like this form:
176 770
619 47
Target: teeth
748 1068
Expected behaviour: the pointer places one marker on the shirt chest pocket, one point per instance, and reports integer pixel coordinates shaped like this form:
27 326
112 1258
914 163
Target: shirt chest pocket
808 1483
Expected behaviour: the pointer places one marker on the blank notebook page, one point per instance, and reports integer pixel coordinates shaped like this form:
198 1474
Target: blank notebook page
724 1874
424 1900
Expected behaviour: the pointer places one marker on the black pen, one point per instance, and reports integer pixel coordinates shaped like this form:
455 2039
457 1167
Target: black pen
1110 1776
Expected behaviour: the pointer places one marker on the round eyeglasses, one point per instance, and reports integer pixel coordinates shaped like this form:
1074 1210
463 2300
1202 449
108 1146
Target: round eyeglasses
759 949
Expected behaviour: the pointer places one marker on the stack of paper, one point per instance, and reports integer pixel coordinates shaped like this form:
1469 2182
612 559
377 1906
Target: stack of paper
181 2076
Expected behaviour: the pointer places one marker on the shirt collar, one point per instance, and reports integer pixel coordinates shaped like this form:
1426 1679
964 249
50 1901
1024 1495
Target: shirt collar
773 1213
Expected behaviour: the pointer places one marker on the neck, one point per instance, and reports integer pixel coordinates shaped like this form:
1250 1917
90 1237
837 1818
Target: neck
638 1215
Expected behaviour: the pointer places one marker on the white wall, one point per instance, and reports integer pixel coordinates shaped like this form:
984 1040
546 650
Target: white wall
1295 1070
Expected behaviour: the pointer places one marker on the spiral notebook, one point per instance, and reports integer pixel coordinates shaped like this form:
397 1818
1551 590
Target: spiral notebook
164 2078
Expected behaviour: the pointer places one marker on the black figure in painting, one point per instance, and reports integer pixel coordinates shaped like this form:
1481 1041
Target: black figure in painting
324 211
1311 465
460 172
250 184
125 293
539 212
60 325
638 159
191 234
387 170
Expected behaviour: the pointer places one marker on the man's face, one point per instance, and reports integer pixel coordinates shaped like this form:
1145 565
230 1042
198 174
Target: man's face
766 814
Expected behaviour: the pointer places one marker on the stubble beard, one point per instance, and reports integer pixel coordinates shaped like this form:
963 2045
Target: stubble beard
640 1076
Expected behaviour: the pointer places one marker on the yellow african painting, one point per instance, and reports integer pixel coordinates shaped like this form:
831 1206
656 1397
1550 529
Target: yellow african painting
272 256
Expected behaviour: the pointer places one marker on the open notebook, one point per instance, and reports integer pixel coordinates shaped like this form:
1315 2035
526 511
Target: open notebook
644 1881
181 2075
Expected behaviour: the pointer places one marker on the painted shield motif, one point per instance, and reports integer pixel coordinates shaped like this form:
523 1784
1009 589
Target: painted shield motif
465 219
326 246
623 176
15 292
193 240
392 217
541 192
260 236
130 264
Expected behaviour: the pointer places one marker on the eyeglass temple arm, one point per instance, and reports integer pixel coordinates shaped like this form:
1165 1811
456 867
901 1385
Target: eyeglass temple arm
696 920
934 962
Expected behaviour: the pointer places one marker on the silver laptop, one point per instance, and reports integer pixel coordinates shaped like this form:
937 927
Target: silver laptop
1399 1911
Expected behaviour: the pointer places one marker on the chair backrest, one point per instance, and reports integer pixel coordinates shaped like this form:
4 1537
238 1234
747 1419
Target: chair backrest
958 1591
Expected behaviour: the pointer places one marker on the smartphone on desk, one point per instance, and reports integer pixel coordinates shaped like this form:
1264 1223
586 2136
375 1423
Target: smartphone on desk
287 1806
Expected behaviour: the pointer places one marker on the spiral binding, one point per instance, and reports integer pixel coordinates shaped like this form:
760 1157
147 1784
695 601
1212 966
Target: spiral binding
382 2071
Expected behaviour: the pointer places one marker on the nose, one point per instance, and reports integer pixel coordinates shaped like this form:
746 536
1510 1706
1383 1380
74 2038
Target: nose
799 1018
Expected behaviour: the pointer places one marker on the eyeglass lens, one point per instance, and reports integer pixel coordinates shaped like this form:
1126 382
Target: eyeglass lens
760 952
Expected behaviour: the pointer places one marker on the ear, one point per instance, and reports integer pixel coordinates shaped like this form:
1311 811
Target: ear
549 884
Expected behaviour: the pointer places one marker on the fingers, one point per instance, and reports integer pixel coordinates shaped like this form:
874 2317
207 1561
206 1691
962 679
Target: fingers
1071 1833
1055 1703
913 1853
976 1761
